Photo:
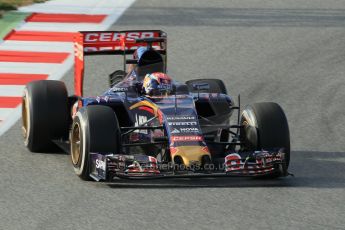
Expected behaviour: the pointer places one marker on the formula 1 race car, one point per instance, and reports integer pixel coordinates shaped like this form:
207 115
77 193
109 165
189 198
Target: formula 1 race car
148 126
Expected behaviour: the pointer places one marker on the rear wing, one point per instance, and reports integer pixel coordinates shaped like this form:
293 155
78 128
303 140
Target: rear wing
112 43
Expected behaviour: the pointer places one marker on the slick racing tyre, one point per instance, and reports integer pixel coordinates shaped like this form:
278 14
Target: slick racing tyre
116 77
214 86
45 114
95 128
265 126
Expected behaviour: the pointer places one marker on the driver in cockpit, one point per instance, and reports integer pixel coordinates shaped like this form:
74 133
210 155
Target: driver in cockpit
156 84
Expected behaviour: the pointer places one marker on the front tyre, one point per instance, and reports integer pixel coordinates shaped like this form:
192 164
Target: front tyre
95 128
265 126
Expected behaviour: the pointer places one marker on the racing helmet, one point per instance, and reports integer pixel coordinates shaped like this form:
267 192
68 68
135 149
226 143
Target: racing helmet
157 84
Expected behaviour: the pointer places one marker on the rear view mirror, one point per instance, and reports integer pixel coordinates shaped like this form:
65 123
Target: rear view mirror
201 86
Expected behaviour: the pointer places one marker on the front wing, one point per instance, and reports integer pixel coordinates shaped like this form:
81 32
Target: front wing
245 164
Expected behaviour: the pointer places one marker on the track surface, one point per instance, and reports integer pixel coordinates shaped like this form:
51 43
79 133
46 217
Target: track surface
290 52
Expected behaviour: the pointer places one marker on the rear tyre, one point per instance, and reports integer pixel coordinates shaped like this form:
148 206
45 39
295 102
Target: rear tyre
95 128
45 115
265 126
215 86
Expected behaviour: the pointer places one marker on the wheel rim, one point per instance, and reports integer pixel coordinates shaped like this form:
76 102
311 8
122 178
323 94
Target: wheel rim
248 129
25 118
75 144
248 118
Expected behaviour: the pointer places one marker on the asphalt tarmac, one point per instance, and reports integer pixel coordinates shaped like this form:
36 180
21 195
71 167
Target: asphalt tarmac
289 52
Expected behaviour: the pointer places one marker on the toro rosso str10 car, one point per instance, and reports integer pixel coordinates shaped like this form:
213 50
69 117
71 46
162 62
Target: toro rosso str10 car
147 125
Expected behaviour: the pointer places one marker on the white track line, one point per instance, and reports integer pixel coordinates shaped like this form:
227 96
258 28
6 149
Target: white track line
11 90
61 27
37 46
30 68
113 8
78 6
11 119
4 113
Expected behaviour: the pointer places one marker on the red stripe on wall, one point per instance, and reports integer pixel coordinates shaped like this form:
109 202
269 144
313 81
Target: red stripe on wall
39 57
40 36
20 79
10 102
66 18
